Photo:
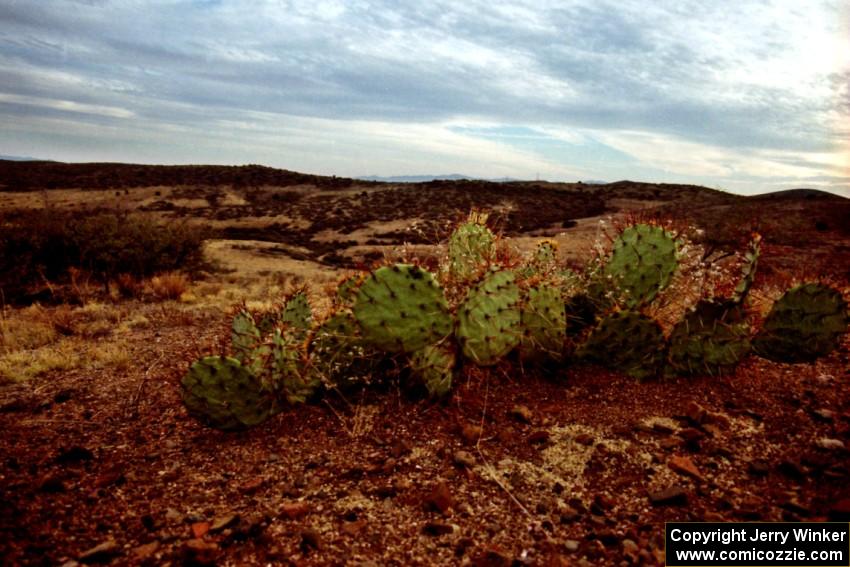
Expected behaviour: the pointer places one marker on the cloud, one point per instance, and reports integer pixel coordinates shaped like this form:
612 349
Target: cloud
742 93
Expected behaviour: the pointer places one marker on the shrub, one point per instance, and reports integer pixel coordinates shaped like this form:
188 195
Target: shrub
44 247
170 285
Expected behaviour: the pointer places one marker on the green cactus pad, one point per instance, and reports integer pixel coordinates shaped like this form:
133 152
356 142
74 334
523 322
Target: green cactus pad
470 248
346 292
297 313
338 355
489 318
627 341
748 270
712 338
806 323
244 335
545 255
642 263
434 365
401 308
225 394
544 323
286 372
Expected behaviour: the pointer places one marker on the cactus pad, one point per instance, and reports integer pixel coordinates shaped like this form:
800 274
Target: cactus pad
642 262
748 270
489 318
806 323
627 341
401 308
434 365
225 394
470 248
286 372
244 335
712 337
297 313
544 323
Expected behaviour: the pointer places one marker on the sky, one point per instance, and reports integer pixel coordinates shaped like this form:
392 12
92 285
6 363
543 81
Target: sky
745 96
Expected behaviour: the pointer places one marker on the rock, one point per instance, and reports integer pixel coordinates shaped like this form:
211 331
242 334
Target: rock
310 539
792 470
695 412
464 459
401 448
173 516
840 511
251 486
51 483
585 439
440 498
100 553
539 436
671 496
199 552
522 413
571 545
222 522
824 415
471 433
568 514
145 552
437 529
353 528
830 444
758 468
200 529
293 510
684 465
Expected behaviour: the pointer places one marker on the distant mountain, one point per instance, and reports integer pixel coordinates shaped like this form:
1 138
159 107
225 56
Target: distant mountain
427 178
18 158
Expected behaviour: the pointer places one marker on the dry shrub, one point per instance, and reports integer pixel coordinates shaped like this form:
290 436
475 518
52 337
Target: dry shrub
128 286
170 285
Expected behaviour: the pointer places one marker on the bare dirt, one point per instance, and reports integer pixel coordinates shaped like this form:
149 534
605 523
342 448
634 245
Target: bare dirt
558 466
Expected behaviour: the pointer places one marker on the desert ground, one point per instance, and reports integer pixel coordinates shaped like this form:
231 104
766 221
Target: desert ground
572 465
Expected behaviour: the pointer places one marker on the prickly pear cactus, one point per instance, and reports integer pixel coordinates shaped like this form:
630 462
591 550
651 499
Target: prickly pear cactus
712 338
470 248
286 371
434 365
401 308
806 323
346 291
642 262
627 341
338 356
748 270
244 335
545 255
489 318
297 313
226 395
544 323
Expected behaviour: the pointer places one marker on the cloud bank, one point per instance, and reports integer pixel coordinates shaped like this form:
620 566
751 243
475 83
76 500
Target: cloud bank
743 95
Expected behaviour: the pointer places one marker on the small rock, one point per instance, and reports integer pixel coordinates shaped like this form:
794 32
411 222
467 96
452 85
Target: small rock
758 468
539 436
145 552
251 486
200 529
199 552
522 413
670 496
173 516
585 439
824 415
401 448
568 514
440 498
684 465
222 522
75 454
471 433
464 459
293 510
52 483
353 528
571 545
792 469
437 529
830 444
310 539
695 412
100 553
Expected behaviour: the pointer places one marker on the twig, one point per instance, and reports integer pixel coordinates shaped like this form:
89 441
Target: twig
134 401
487 464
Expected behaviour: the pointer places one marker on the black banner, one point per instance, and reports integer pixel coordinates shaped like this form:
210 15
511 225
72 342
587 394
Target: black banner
760 544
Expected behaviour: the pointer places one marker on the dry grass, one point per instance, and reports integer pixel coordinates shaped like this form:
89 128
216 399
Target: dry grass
169 286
